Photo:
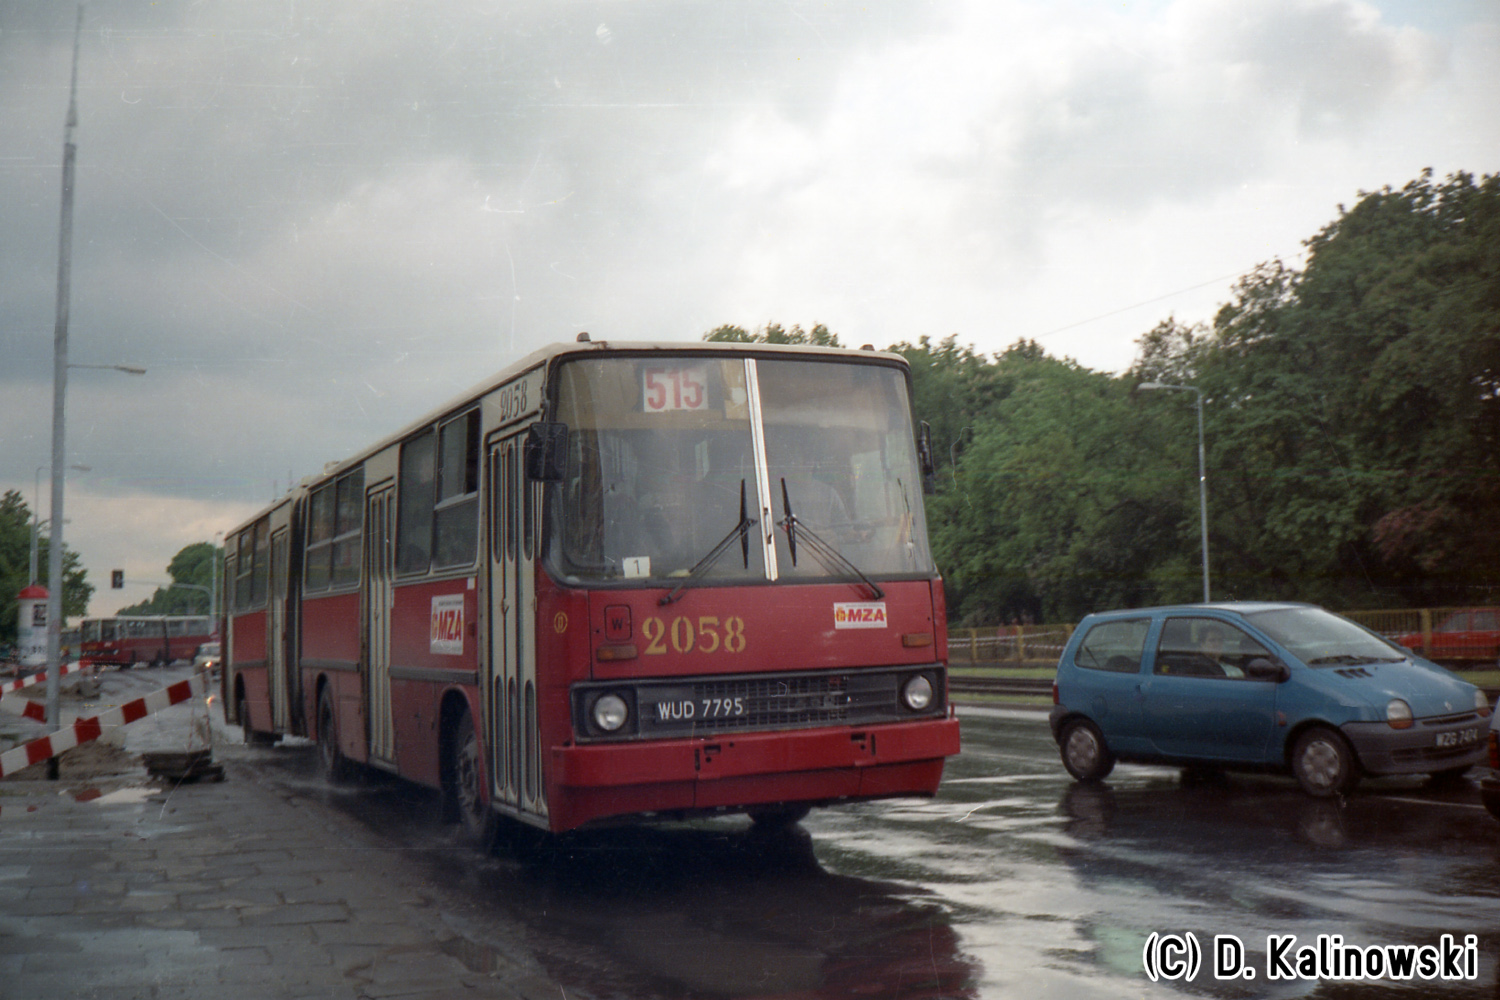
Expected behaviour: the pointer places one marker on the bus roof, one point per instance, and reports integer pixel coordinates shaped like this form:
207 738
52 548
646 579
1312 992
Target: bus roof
547 355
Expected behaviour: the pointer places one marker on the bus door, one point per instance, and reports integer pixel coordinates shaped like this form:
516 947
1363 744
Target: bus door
513 745
379 596
276 635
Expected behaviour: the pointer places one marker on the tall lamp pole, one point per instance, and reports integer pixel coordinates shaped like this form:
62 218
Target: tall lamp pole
36 516
1202 472
59 393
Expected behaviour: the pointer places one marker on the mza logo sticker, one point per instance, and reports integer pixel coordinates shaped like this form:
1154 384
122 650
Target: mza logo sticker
864 615
447 636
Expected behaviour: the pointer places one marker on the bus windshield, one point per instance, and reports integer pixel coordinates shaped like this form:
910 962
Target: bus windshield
662 449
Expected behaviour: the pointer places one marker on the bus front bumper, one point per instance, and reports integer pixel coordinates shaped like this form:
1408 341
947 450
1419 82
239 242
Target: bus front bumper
743 770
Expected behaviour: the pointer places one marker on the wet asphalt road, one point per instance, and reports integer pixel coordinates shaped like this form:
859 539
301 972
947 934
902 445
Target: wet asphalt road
1013 882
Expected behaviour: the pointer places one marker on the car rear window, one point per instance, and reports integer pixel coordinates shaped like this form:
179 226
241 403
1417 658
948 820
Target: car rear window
1115 646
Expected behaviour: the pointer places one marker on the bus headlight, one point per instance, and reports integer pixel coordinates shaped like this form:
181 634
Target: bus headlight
917 693
610 712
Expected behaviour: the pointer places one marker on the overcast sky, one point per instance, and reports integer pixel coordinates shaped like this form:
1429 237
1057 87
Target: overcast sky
316 220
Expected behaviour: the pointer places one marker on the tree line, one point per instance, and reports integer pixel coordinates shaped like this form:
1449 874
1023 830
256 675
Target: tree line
1351 419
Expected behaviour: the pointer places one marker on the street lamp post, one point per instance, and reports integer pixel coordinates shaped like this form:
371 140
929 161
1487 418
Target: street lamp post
37 520
1202 472
60 368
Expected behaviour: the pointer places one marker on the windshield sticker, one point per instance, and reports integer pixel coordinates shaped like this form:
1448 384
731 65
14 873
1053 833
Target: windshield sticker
636 567
447 633
862 615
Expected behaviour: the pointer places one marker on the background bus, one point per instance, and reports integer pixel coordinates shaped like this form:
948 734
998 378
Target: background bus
615 580
130 639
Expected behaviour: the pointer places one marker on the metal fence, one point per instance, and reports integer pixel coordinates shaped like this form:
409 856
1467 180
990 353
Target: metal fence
1467 636
1008 644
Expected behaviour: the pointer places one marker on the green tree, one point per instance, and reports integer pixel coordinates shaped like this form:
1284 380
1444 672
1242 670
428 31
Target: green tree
1353 409
773 333
1060 504
193 566
15 566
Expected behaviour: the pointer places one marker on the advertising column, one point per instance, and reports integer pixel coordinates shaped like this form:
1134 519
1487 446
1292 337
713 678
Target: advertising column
32 626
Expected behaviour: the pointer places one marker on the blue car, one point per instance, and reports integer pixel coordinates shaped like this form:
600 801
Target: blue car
1250 686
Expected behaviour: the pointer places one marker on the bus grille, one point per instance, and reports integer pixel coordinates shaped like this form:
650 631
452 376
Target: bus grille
747 703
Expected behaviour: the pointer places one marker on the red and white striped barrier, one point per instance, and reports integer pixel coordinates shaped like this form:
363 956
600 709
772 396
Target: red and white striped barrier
92 728
41 678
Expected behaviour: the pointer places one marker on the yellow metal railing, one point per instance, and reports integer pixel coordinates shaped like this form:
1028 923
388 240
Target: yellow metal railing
1443 634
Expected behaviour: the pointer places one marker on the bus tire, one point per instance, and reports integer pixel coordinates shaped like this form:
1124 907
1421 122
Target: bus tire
774 818
332 764
464 799
242 713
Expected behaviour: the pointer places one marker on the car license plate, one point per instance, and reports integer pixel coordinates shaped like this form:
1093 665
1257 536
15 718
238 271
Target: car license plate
1458 738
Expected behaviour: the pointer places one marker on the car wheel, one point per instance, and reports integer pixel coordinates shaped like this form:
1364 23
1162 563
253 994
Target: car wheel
332 763
464 788
1084 752
1453 777
1323 763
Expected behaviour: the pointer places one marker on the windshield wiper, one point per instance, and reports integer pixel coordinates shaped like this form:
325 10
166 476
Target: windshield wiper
742 529
824 552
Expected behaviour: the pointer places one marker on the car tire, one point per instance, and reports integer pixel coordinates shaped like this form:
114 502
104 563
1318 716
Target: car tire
1453 777
1323 763
1084 752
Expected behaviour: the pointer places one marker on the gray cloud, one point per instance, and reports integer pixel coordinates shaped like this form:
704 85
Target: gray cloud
315 221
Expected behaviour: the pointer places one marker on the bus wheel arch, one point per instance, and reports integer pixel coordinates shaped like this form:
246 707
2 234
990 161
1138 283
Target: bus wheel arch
465 797
242 716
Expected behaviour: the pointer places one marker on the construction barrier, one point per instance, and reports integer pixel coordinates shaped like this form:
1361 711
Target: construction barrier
41 678
85 730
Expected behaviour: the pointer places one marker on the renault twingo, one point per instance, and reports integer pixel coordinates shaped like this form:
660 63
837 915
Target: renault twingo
1252 686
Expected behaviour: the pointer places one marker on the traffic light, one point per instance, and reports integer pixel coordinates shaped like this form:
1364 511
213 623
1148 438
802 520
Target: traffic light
117 579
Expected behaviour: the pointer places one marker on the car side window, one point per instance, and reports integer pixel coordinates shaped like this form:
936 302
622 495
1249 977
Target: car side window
1114 646
1205 647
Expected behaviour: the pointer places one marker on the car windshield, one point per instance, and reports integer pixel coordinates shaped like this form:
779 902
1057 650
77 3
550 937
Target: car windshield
1322 639
662 449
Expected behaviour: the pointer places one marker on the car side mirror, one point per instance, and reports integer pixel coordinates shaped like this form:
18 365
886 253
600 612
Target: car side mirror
546 452
1262 669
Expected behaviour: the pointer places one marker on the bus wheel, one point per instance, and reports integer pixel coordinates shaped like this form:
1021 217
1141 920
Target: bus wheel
463 788
778 817
331 762
242 713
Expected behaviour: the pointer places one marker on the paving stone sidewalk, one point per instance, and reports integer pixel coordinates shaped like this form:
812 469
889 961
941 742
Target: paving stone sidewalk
120 888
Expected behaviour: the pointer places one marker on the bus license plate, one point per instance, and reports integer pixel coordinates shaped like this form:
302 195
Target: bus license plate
700 708
1458 738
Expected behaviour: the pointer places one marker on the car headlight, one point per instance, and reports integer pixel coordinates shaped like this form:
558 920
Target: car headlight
1481 703
917 693
610 712
1398 714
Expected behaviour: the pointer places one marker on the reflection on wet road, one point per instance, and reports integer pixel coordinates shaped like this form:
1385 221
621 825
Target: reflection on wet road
1013 882
1054 887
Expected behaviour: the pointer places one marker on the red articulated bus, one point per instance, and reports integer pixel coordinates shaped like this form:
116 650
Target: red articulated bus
126 640
616 580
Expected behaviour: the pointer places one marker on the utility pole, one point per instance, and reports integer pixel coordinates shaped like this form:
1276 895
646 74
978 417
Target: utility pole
59 394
